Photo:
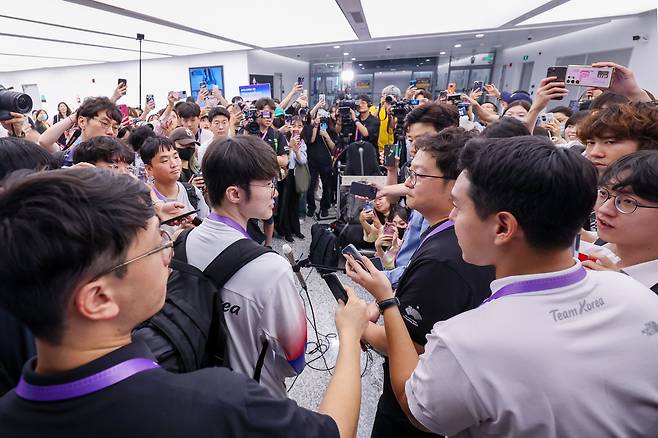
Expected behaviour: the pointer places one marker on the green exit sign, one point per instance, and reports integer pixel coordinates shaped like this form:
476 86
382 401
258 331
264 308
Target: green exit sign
525 57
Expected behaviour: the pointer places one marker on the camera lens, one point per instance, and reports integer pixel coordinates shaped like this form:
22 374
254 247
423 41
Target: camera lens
14 101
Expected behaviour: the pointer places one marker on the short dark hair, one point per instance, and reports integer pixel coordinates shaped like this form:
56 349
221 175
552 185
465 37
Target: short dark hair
576 117
562 110
445 148
139 135
100 148
505 127
426 94
236 99
440 115
365 98
187 110
637 171
62 227
218 111
153 145
632 121
549 190
522 103
236 161
92 106
18 153
607 99
263 102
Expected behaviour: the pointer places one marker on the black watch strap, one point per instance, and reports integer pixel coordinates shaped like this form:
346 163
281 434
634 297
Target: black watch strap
389 302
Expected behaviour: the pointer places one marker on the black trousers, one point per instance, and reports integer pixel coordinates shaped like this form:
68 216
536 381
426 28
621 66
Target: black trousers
325 175
286 221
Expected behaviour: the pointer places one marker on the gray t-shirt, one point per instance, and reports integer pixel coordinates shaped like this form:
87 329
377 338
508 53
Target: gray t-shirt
260 302
576 361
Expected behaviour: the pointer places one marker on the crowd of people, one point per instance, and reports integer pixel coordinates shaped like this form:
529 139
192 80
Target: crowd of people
514 277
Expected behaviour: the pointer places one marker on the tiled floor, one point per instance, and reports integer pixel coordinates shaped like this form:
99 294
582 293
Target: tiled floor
309 387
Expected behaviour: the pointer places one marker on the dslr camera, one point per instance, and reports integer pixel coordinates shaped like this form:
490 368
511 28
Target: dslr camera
344 107
13 102
401 108
250 120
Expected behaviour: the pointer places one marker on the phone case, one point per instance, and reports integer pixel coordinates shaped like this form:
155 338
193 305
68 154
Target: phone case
335 286
351 250
584 76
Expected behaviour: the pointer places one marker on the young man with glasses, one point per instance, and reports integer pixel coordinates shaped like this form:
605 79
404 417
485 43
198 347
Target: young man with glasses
556 350
627 217
261 302
90 272
437 284
97 116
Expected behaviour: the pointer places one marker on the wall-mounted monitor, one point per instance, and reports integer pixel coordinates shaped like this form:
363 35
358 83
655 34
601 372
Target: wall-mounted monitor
255 91
211 75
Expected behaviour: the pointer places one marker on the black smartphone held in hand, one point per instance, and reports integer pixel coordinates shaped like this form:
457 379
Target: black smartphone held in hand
300 80
363 189
122 82
478 85
335 286
389 155
351 250
179 217
560 73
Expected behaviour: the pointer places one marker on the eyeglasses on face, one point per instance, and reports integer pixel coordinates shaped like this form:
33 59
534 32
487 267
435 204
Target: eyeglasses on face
107 125
623 203
166 247
271 185
413 177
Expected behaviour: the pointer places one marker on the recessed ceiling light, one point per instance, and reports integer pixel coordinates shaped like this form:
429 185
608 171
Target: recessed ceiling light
336 47
427 60
479 35
353 59
330 66
442 53
360 65
346 53
457 46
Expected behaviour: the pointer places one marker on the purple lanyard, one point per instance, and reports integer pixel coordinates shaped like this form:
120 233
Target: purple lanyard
159 195
84 386
539 284
230 222
444 226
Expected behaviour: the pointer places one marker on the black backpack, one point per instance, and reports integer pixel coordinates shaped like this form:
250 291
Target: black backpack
191 195
189 332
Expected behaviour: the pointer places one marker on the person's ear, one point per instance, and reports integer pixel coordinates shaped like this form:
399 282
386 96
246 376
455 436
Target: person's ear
506 227
233 195
148 168
82 122
96 301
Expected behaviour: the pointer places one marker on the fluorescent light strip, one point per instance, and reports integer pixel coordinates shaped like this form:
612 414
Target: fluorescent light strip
586 9
252 22
378 15
69 14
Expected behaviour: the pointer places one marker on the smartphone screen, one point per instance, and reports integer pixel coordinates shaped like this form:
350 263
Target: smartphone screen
300 80
323 126
389 155
123 82
179 217
362 189
150 99
413 82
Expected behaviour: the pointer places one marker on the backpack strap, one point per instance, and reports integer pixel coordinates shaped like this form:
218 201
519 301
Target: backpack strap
191 194
220 270
180 251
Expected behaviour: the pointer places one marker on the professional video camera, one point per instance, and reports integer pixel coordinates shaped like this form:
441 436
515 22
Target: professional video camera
251 120
401 108
13 102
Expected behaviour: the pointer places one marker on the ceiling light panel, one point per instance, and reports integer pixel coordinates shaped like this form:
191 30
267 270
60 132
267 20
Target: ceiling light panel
161 39
10 63
263 23
586 9
378 15
37 48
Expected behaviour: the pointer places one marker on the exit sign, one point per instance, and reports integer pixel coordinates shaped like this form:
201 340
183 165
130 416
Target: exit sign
525 57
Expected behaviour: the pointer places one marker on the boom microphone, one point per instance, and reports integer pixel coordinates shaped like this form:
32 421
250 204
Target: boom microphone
287 253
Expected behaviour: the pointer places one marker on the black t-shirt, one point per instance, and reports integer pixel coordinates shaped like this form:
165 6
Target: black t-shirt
437 285
213 402
319 154
276 140
372 125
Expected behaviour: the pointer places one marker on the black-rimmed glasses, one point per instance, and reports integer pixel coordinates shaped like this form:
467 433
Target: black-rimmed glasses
413 177
623 202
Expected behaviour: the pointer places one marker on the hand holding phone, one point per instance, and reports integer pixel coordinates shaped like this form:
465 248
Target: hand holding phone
351 250
335 286
363 189
174 220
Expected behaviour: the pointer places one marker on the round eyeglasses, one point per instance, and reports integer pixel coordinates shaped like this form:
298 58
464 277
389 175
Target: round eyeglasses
413 177
623 203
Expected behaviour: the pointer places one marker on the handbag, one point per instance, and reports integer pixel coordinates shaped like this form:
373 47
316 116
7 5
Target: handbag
302 177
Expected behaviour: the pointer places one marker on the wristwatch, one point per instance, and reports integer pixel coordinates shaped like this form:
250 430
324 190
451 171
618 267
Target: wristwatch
385 304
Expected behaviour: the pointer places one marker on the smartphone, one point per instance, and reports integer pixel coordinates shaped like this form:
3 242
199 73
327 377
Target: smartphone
323 126
363 189
179 217
322 96
203 85
287 118
182 95
443 95
351 250
560 72
300 80
122 82
367 207
390 229
150 99
389 155
546 117
296 133
335 286
463 109
584 76
478 85
124 110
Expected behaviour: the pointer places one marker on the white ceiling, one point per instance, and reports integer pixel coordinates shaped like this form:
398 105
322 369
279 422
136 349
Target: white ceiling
54 33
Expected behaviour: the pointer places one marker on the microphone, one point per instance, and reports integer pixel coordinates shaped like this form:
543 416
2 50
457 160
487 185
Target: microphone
363 172
287 253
